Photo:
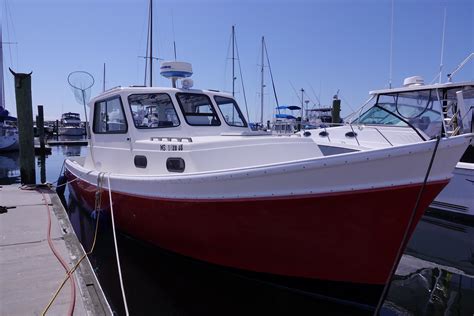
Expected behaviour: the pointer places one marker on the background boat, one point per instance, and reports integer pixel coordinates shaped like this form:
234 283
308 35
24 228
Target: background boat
71 125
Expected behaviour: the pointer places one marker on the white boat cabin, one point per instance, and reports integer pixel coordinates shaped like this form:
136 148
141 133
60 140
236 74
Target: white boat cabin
414 112
143 130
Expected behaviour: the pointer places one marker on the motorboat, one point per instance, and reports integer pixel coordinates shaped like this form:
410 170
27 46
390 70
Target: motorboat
285 123
8 131
413 113
199 183
71 125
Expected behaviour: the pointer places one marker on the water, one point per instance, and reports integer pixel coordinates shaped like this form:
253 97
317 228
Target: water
435 276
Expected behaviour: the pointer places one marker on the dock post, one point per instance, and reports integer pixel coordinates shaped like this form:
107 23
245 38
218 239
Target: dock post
40 127
336 110
57 129
25 127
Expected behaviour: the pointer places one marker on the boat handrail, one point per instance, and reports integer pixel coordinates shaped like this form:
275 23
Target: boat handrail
169 139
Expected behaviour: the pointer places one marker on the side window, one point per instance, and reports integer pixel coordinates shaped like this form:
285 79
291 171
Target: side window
154 110
197 109
109 117
230 111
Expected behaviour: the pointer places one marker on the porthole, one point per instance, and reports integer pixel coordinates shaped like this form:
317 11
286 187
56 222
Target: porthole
175 164
140 161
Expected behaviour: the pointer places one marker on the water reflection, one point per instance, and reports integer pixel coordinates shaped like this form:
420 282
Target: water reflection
445 242
437 275
432 292
10 163
9 167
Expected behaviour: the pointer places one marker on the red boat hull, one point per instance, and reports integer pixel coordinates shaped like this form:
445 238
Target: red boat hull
346 237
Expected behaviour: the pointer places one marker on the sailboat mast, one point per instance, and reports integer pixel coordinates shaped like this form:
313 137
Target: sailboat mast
103 82
262 83
302 105
151 43
2 85
233 60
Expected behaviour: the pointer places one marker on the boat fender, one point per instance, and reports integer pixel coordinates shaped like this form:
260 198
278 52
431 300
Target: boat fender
61 185
307 134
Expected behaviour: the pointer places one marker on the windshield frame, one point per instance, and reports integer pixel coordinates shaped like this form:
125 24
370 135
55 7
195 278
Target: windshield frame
236 107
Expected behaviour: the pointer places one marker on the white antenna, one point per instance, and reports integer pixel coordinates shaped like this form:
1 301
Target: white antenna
391 49
442 47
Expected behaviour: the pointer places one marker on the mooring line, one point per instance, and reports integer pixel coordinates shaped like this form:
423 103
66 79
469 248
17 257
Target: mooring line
405 235
116 248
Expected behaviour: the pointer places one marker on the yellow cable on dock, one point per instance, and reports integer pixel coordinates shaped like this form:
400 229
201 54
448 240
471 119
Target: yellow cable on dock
98 202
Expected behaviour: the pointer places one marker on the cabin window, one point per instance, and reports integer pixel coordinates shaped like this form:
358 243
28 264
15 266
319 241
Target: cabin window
109 117
230 111
153 110
198 109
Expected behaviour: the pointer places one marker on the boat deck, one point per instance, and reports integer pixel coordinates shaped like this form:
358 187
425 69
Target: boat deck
29 272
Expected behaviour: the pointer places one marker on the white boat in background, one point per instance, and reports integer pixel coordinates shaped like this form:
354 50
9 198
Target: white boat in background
8 129
198 182
71 125
412 113
8 132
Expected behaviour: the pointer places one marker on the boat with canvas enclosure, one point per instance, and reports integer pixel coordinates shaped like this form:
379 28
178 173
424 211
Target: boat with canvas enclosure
189 176
415 113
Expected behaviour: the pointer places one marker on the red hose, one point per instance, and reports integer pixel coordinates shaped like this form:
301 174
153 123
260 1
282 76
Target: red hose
61 260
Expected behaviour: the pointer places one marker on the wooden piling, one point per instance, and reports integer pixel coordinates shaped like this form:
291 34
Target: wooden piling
40 127
25 127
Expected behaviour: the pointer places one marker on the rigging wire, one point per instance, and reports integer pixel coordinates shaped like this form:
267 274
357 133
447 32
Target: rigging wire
226 62
7 12
296 93
317 98
271 76
241 78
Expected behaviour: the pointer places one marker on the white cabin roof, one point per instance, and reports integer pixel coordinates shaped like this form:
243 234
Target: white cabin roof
424 87
141 89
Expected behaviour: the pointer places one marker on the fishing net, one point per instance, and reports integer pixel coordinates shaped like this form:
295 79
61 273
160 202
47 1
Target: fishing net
81 83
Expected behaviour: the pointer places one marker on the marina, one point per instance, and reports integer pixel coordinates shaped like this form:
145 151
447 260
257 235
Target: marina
172 192
438 256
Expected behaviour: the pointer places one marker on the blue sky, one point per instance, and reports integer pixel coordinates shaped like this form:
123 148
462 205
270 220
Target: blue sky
321 46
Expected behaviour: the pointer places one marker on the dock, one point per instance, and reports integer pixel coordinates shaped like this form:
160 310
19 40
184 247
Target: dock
29 271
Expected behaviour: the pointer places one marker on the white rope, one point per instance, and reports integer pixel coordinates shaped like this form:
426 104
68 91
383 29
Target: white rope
116 248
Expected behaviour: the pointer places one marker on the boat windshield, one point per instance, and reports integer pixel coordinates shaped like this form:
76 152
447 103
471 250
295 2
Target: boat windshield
230 111
416 109
153 110
198 109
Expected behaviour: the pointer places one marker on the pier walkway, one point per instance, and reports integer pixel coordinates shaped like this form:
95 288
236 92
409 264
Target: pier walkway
29 271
